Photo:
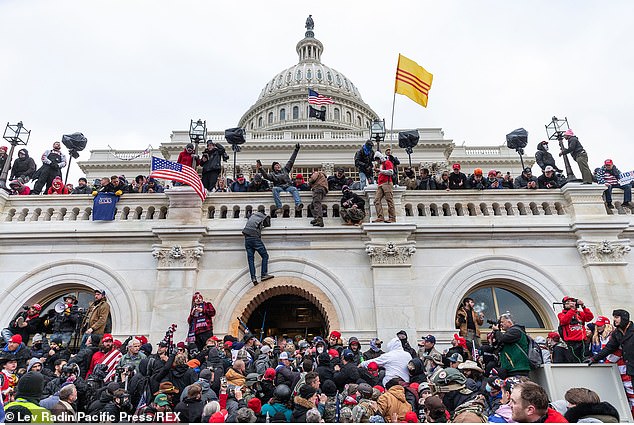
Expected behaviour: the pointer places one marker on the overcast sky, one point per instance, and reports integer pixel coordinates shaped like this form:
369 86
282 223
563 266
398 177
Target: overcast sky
126 73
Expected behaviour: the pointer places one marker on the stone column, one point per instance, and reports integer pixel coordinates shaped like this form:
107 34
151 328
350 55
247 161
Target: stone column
390 253
370 193
178 257
603 252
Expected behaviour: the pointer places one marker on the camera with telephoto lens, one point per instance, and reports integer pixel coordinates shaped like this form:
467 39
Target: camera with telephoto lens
128 370
493 323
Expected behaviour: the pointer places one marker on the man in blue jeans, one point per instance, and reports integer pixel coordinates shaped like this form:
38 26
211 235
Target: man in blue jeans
253 242
608 175
281 179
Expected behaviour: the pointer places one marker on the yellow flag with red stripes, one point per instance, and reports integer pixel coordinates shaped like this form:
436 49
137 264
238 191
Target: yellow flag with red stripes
412 80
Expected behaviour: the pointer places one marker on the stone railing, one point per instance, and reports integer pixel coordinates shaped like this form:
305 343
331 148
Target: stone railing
79 208
410 206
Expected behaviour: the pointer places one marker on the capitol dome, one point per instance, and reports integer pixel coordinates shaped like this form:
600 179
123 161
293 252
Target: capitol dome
283 103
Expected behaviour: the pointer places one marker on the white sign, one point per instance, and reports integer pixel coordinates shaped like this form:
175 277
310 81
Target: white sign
627 177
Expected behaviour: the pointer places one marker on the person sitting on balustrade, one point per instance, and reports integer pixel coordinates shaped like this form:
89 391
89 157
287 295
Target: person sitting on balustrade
339 180
258 184
548 180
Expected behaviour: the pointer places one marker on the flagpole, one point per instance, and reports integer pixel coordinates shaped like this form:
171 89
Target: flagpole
392 121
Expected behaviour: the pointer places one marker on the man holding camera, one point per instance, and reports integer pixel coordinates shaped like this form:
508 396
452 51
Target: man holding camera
211 161
572 322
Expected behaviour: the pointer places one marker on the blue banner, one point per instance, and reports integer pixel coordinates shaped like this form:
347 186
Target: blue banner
104 206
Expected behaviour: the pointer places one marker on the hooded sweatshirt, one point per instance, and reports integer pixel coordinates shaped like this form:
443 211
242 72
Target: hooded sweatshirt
394 361
23 166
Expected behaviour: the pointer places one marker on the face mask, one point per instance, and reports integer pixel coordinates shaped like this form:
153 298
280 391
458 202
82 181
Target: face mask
488 388
320 350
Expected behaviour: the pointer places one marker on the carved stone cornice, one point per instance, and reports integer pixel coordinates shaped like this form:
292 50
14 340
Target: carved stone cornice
177 257
604 252
390 255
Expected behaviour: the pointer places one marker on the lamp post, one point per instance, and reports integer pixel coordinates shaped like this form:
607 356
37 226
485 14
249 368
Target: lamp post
555 130
377 132
15 134
197 133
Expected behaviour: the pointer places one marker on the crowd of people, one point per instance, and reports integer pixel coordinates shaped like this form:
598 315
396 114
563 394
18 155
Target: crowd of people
373 167
319 379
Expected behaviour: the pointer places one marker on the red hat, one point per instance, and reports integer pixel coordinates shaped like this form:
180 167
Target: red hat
269 374
554 336
373 366
107 337
37 307
141 338
227 344
608 162
299 176
3 148
217 418
380 388
335 334
602 321
255 404
333 353
568 298
492 172
456 165
414 385
181 345
411 417
17 339
117 343
461 341
214 338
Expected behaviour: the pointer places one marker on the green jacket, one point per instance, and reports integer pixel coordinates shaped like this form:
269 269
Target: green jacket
514 353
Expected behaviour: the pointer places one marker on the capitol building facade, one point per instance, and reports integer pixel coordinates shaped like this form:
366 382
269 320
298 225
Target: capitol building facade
515 250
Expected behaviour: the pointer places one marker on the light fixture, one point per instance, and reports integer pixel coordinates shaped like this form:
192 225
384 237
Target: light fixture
197 132
555 130
377 132
16 135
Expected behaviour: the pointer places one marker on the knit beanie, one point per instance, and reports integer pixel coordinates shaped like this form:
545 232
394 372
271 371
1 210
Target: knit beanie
205 374
329 388
31 386
147 348
306 392
255 404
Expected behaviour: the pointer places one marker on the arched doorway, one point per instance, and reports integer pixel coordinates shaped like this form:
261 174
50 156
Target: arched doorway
287 315
290 309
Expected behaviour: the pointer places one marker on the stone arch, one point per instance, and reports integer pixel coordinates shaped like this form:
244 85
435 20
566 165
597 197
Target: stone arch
539 286
53 278
292 276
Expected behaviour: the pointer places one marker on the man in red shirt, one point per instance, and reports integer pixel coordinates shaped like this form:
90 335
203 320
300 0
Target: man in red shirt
105 347
385 189
572 321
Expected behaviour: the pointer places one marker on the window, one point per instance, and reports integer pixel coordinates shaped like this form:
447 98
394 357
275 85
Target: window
270 117
348 117
358 121
337 114
494 300
319 75
260 122
288 77
282 114
295 112
329 77
309 75
279 81
298 76
338 77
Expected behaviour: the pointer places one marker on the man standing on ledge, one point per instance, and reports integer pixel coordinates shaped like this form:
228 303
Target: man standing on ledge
96 316
253 242
579 154
319 186
385 189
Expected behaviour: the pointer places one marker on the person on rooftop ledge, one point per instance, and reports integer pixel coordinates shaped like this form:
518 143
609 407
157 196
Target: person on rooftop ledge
608 175
281 179
579 154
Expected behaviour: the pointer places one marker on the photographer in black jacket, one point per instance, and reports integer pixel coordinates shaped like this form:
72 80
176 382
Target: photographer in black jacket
211 160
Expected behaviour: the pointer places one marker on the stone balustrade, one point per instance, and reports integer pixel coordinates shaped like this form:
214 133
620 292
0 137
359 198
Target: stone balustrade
411 206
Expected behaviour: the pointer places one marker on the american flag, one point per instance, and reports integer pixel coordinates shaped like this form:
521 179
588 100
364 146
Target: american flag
111 360
164 169
315 98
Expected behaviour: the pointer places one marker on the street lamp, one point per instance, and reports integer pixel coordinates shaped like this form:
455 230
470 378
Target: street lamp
377 132
197 132
555 130
15 134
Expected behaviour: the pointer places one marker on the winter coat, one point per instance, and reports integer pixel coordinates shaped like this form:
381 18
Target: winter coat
186 158
573 323
623 339
544 158
521 181
426 184
81 190
284 375
190 410
394 361
282 178
461 321
318 181
23 166
552 416
262 186
348 374
208 313
363 161
262 363
418 374
301 407
83 358
211 159
503 415
545 182
236 186
456 179
336 183
513 356
255 224
325 370
98 405
478 184
66 322
603 412
394 401
22 354
574 148
358 356
235 378
371 354
273 409
97 316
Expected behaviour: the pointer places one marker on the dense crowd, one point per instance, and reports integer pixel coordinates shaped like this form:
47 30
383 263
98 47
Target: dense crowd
373 167
281 379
